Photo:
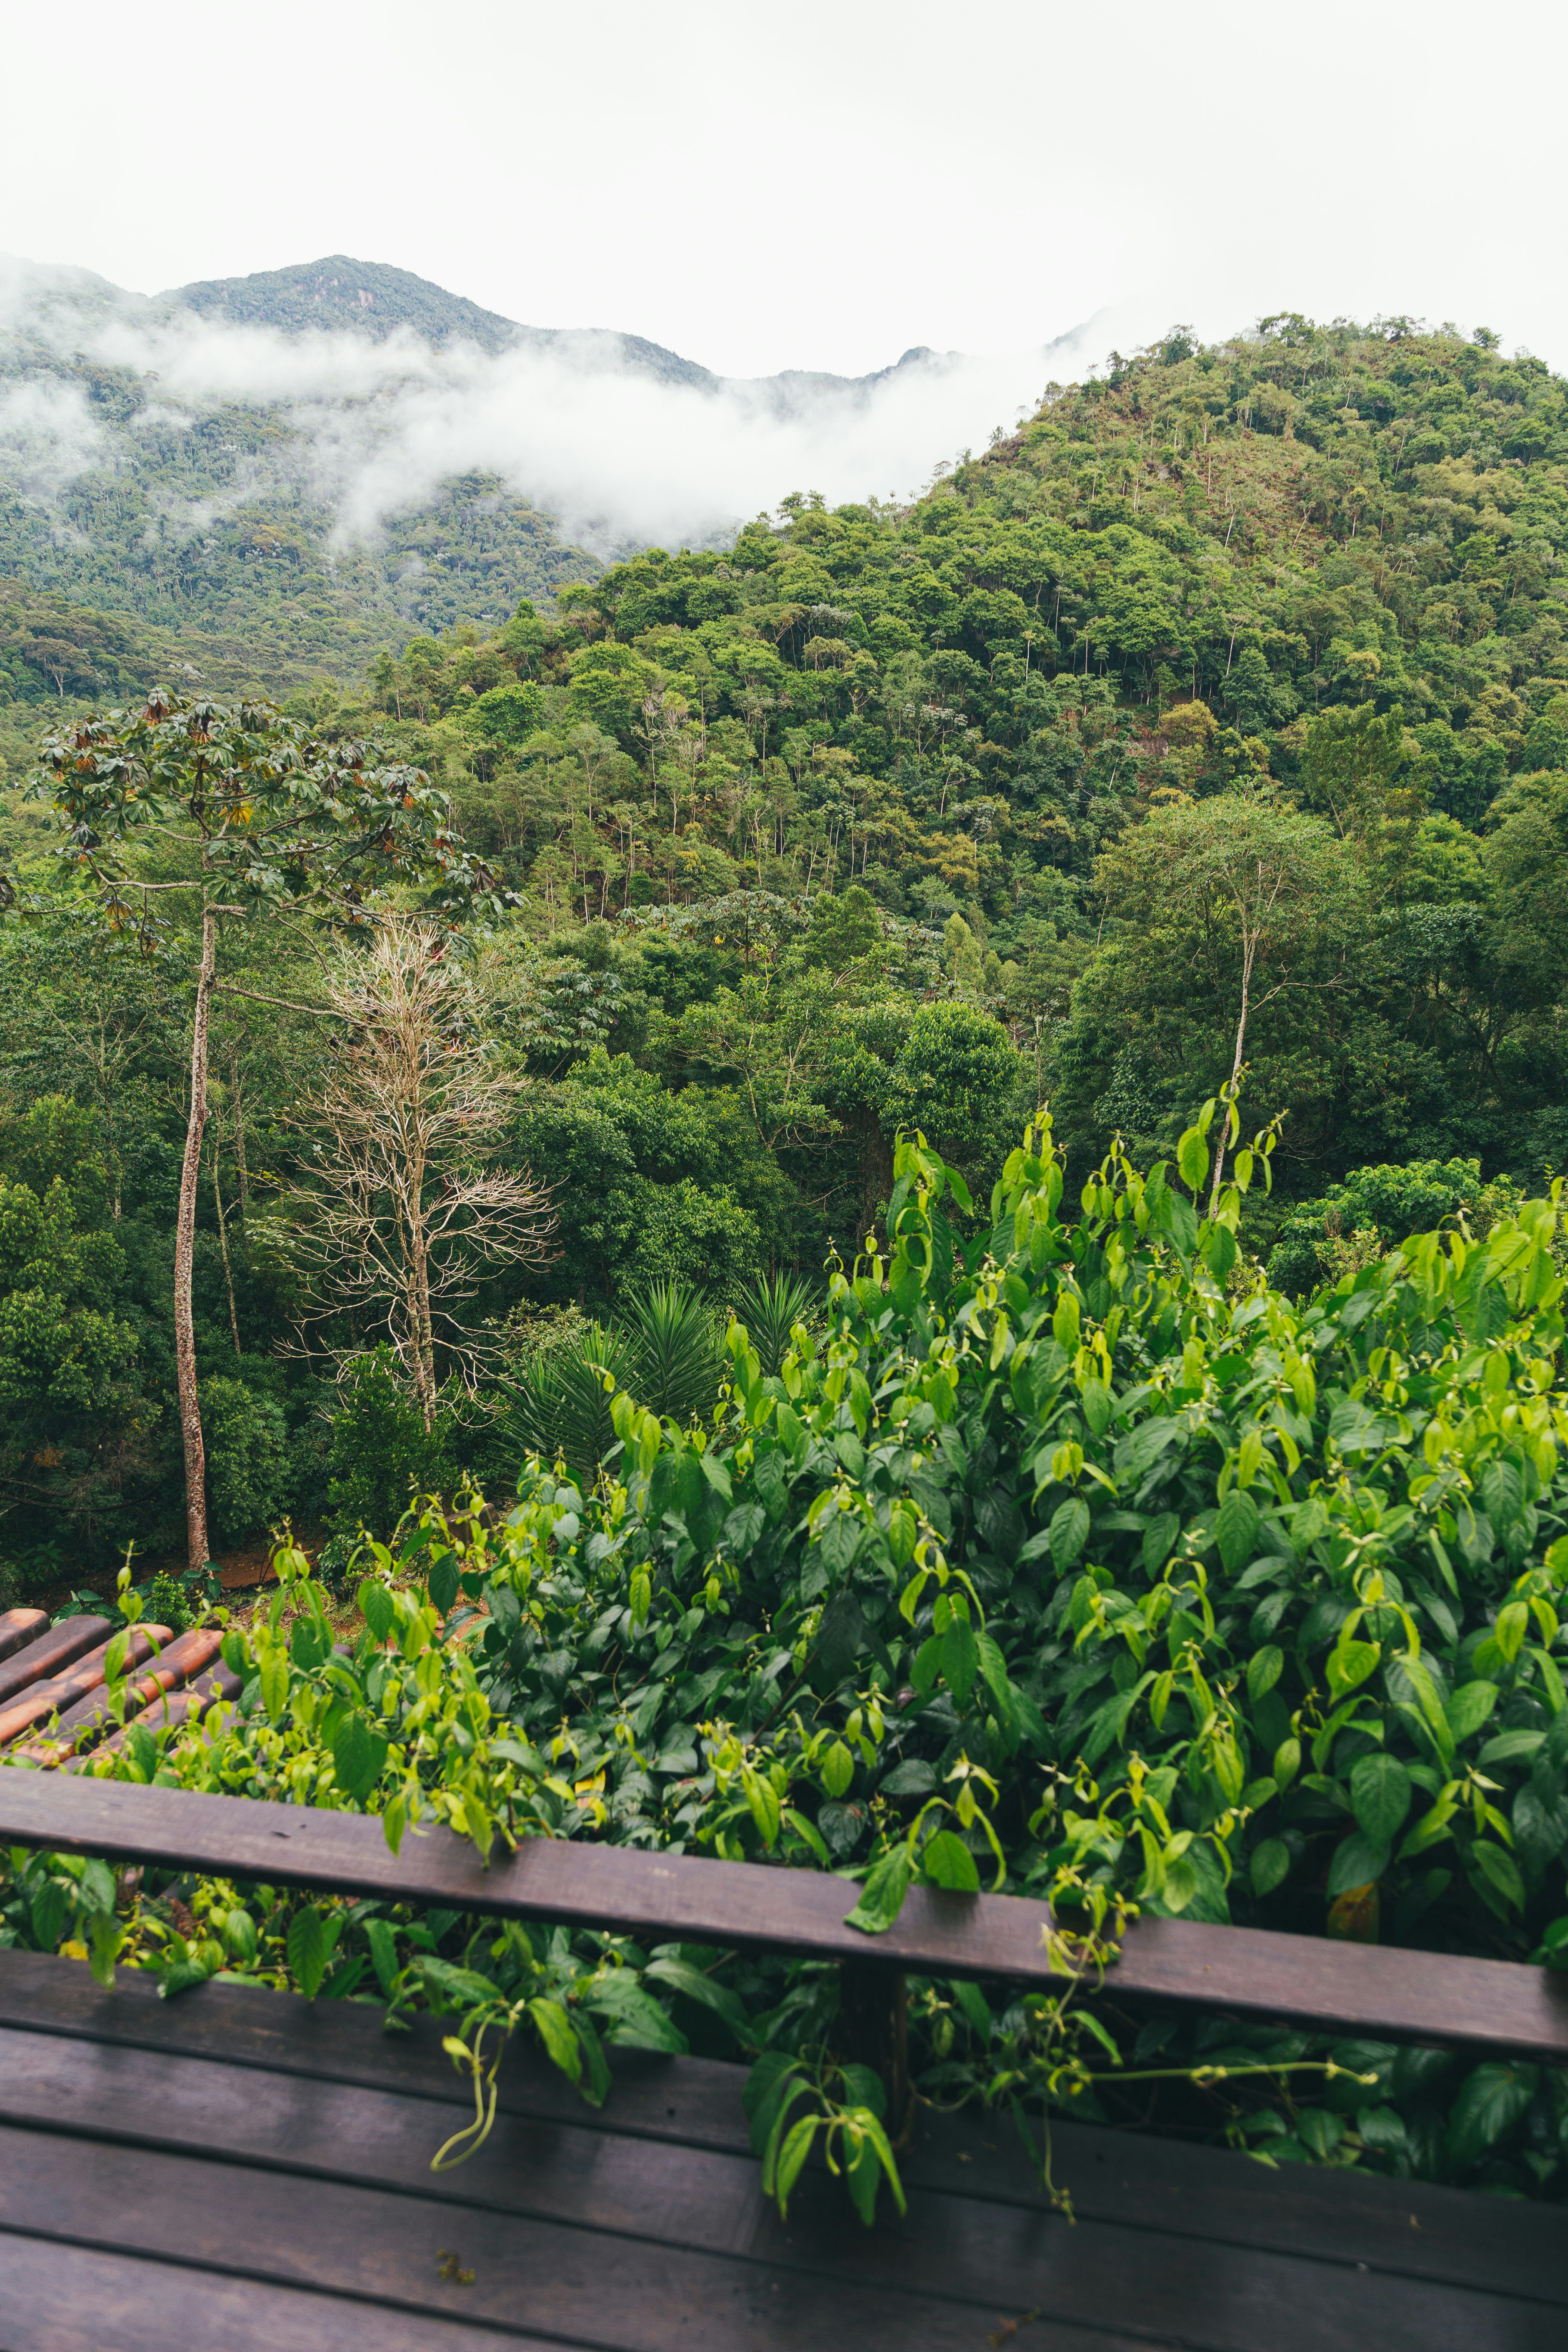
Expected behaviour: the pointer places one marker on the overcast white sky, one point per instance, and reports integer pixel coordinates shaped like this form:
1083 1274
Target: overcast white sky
821 185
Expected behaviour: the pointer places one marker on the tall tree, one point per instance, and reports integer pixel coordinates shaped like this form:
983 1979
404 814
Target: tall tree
205 814
405 1208
1251 881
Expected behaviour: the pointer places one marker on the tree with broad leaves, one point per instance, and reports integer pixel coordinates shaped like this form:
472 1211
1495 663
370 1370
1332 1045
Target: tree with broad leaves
232 813
1253 891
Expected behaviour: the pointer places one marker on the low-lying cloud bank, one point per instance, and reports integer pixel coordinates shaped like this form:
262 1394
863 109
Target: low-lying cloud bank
615 456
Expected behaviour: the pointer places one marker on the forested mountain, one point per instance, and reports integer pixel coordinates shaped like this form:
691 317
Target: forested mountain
1229 695
1317 571
339 294
190 479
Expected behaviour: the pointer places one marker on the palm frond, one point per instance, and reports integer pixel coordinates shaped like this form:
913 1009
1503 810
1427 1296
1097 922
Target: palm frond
560 1404
672 1342
770 1308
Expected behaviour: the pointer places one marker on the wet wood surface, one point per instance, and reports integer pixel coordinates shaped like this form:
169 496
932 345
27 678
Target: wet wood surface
238 2160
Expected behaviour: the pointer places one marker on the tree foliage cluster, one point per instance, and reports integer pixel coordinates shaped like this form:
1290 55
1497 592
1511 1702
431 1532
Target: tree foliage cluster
1315 571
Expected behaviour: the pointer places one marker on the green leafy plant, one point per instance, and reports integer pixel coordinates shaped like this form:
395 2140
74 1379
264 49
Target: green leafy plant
382 1453
559 1407
247 1439
794 2108
167 1603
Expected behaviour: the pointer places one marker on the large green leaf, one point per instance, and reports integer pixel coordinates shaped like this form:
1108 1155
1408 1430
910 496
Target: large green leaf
960 1659
1357 1861
882 1897
1270 1865
636 2020
947 1861
1069 1532
1379 1797
667 1969
309 1946
1235 1529
1491 2101
1468 1709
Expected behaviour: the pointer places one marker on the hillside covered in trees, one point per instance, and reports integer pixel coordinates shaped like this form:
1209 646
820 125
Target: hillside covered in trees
1217 719
1315 576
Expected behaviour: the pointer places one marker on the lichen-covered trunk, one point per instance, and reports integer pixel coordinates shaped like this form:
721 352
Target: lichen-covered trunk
185 1246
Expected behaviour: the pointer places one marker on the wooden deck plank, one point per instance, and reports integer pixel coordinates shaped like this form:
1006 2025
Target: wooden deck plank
41 1654
186 1655
57 2298
1352 1988
39 1700
581 2169
541 2279
20 1627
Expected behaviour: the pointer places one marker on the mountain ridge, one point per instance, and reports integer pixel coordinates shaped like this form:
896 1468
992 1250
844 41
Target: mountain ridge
340 293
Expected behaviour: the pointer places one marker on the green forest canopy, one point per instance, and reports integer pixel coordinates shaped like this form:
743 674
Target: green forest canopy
918 816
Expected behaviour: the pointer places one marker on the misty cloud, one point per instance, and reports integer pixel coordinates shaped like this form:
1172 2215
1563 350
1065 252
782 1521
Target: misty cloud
48 436
615 456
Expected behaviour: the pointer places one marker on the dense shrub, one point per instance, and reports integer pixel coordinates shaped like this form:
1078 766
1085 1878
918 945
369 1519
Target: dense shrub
1052 1562
247 1440
382 1453
1372 1209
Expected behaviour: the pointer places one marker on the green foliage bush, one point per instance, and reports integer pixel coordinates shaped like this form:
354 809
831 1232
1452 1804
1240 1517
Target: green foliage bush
381 1453
167 1603
1388 1204
247 1437
1053 1562
956 1079
510 713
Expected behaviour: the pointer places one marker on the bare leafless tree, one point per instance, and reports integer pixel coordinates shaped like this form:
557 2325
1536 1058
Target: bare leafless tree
404 1209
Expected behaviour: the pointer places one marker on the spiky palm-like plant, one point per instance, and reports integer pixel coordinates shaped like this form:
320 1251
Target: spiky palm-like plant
770 1308
669 1335
560 1404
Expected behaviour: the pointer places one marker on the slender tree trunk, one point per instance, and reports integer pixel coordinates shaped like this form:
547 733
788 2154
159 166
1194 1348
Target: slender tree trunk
223 1236
184 1245
424 1335
239 1138
1247 951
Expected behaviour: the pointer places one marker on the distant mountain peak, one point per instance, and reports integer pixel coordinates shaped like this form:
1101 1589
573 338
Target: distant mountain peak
368 297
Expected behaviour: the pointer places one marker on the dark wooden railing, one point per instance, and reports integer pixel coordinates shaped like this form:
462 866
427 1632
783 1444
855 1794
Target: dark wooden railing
1340 1986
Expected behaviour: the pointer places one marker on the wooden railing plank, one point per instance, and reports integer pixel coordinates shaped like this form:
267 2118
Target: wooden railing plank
1347 1987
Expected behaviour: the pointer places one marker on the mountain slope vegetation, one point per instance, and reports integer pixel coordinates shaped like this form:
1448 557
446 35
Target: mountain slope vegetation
1316 570
1214 724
